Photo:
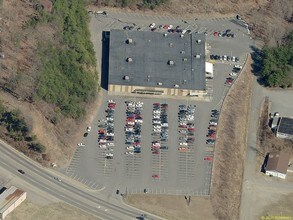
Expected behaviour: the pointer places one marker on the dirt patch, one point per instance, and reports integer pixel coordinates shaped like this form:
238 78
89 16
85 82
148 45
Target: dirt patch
173 207
230 147
56 211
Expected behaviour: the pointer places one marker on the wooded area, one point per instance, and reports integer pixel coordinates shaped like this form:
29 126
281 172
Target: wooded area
68 78
277 64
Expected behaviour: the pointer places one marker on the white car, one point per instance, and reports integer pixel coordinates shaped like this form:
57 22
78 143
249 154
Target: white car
89 128
156 116
183 144
157 130
152 25
129 148
129 153
81 145
165 125
238 66
109 154
225 57
170 26
233 59
157 126
138 120
102 141
110 134
103 146
157 144
110 119
233 74
111 101
156 122
130 123
110 144
156 112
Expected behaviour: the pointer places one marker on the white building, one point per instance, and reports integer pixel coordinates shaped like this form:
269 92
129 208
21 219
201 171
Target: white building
277 164
10 199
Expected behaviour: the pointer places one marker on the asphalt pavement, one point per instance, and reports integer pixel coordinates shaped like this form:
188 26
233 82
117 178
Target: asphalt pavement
180 173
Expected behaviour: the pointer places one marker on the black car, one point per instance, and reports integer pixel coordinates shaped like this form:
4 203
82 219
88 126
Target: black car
21 171
212 57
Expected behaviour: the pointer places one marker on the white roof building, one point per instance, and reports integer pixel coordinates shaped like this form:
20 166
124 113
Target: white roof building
10 199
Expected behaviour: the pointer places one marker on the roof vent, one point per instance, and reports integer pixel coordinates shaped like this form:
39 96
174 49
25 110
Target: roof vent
129 60
126 78
182 52
176 86
171 62
198 41
181 35
197 56
165 35
170 44
129 41
159 83
184 59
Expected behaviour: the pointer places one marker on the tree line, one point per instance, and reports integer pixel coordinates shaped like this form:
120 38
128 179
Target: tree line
277 64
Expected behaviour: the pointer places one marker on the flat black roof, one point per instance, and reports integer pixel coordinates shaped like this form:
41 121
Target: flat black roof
151 54
286 126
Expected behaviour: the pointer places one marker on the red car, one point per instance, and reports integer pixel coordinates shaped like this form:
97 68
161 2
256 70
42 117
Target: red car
101 131
229 81
191 129
156 104
166 26
155 176
216 34
212 136
208 158
182 126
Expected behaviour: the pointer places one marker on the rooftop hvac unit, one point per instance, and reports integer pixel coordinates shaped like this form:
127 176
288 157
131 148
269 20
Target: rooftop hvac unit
198 41
197 56
171 62
165 35
126 78
170 44
176 86
159 83
129 41
181 35
184 59
129 59
182 52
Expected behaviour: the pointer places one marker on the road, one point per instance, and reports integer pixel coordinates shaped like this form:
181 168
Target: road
67 191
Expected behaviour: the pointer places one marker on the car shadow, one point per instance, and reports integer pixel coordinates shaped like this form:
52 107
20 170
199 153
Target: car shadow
105 59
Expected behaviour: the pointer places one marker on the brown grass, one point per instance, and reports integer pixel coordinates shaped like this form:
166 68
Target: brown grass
230 148
173 207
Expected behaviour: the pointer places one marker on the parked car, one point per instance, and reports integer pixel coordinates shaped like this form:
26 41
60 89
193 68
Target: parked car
152 25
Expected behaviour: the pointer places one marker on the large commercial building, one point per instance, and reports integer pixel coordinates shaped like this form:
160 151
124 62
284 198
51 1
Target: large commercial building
285 128
10 199
156 63
277 164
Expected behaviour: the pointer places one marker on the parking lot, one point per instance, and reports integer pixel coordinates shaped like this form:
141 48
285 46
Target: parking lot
152 144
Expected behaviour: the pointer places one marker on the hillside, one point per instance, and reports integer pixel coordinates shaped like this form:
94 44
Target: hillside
30 78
